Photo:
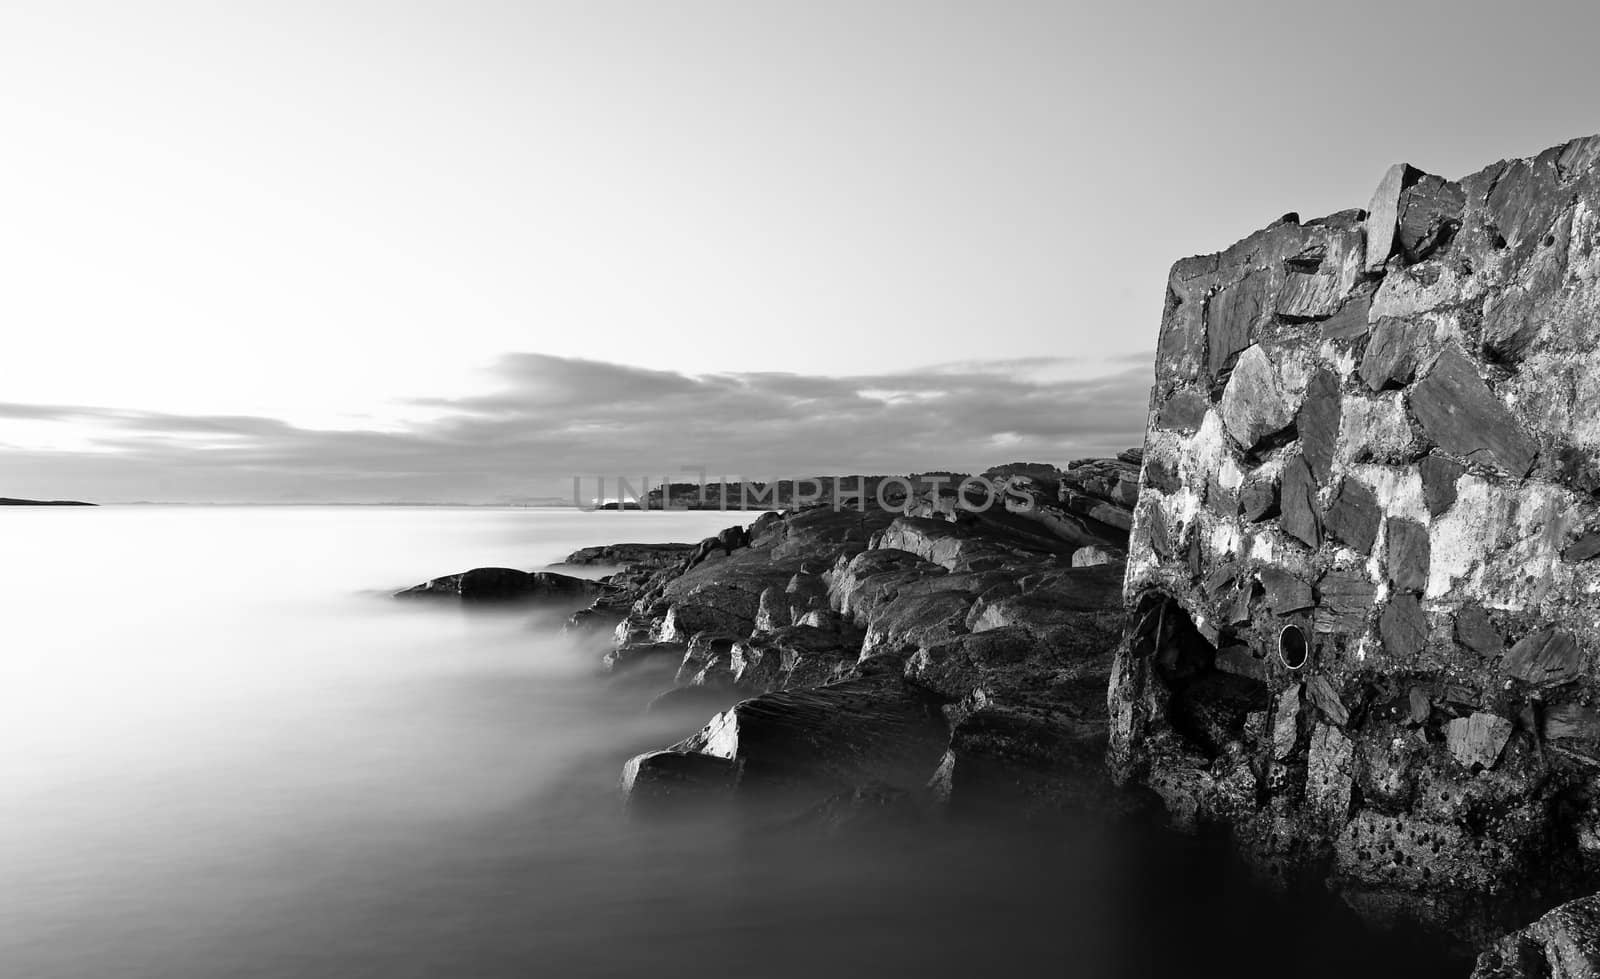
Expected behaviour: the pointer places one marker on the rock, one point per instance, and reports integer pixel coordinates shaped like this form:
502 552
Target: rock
1330 768
1240 661
1439 476
1547 657
1408 554
1350 322
665 783
1161 475
1258 498
624 555
633 655
813 743
1344 599
1477 739
1403 626
1459 413
1301 518
1285 592
1509 326
1354 515
1383 216
1183 411
1318 422
1585 548
1255 404
1232 317
1563 944
1286 722
1391 357
1088 557
1326 699
1475 631
1007 759
490 586
1430 214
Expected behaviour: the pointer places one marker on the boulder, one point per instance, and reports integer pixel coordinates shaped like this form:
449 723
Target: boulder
500 586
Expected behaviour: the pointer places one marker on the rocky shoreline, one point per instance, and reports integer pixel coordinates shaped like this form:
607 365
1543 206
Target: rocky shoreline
1340 610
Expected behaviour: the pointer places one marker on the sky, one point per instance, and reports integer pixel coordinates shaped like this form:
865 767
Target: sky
463 251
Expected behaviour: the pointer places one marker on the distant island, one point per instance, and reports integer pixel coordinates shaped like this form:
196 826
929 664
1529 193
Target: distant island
7 501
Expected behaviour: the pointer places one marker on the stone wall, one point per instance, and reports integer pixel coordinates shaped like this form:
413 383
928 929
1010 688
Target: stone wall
1361 563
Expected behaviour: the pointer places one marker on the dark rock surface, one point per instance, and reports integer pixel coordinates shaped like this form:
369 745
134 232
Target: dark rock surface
506 586
947 660
8 501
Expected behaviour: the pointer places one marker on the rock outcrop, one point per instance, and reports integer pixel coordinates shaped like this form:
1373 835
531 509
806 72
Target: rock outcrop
9 501
500 586
1361 575
954 661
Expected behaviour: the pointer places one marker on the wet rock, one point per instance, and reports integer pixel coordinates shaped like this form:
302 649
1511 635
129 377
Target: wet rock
813 743
635 655
1547 657
666 783
1439 476
1255 404
1301 518
1460 414
1478 739
1408 554
648 555
1562 944
1403 626
485 586
1354 515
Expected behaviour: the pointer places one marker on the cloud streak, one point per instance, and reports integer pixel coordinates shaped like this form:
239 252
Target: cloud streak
546 419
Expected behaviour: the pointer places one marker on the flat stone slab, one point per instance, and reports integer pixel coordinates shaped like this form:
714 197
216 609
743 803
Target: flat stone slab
1459 413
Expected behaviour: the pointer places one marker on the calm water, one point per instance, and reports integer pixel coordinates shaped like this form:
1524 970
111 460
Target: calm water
225 753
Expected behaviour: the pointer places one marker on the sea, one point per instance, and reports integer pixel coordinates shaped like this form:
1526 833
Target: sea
226 751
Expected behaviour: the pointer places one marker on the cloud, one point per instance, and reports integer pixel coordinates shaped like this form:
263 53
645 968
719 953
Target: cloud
547 419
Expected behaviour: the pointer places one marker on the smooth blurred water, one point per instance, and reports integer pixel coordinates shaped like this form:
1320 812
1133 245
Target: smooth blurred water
225 752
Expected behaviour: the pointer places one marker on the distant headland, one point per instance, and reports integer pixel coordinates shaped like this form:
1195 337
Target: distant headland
8 501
